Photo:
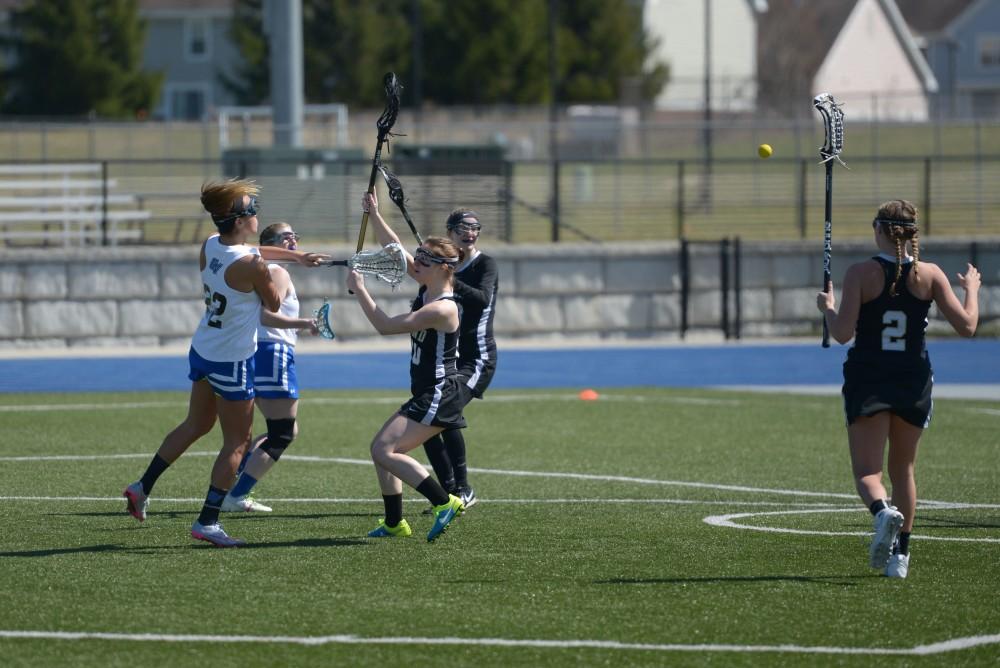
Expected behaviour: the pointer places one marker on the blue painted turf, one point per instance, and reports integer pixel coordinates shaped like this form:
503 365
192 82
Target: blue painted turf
954 361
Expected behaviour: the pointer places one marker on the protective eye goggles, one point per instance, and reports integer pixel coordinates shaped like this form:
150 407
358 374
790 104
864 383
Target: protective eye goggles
462 217
465 228
425 258
250 210
282 236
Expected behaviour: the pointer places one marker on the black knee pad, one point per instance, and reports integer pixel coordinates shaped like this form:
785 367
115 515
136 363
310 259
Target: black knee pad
280 434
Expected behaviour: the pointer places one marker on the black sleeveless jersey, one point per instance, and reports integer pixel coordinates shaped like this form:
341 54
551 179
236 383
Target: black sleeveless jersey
476 289
889 325
432 352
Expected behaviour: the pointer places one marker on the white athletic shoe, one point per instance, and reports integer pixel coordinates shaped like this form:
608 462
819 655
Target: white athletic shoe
887 525
243 504
898 566
136 501
468 496
214 534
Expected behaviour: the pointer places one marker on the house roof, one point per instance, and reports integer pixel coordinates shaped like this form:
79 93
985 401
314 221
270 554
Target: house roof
795 37
926 17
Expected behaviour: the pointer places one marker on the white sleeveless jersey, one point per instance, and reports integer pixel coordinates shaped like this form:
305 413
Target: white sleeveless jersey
228 330
290 309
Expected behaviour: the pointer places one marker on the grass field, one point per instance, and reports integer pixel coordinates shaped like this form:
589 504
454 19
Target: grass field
590 546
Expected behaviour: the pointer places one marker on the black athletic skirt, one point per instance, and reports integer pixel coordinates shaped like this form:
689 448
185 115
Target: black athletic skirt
900 385
476 378
439 405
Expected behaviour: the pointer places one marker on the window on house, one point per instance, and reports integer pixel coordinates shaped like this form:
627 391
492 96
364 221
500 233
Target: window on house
989 51
197 39
984 104
186 104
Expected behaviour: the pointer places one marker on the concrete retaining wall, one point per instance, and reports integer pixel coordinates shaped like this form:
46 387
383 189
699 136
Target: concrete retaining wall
152 296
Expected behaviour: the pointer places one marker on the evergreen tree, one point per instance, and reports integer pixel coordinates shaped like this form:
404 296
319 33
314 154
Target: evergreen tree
603 45
485 51
74 57
475 52
250 84
350 44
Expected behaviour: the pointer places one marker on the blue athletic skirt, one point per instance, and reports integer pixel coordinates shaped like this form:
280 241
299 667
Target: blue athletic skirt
230 380
274 371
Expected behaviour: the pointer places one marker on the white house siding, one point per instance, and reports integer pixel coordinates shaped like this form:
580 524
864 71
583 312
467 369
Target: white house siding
680 27
868 70
165 52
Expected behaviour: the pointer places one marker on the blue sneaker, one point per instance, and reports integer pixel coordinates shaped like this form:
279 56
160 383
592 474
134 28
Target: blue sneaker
383 530
443 515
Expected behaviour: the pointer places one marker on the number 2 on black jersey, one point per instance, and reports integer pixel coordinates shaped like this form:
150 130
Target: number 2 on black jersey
894 330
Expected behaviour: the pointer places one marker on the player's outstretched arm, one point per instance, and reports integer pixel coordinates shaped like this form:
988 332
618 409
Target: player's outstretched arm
305 258
964 317
437 315
383 233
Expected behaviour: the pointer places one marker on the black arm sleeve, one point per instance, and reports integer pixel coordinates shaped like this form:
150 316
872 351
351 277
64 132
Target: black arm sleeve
482 294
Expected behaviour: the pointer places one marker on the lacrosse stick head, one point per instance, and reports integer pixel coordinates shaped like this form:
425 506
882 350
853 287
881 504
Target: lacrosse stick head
322 318
394 185
833 126
388 118
386 264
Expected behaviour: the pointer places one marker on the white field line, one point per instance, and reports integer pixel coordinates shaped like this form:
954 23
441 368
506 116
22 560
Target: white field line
515 473
955 644
518 473
355 401
420 501
725 521
728 521
821 507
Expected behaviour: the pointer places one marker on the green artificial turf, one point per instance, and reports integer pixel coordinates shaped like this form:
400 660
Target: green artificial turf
591 529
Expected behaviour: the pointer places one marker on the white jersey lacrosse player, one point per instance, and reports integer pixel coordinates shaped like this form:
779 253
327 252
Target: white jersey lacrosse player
275 381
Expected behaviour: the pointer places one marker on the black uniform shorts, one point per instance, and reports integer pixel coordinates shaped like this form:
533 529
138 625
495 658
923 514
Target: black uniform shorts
439 405
476 379
901 386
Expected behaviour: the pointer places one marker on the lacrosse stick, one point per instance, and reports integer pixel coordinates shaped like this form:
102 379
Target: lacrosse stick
833 124
384 125
386 264
322 319
396 195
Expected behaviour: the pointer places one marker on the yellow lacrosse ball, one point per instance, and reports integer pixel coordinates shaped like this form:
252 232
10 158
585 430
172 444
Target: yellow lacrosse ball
764 150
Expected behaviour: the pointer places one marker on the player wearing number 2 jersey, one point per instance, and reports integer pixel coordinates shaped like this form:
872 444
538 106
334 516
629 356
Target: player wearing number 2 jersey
887 375
236 284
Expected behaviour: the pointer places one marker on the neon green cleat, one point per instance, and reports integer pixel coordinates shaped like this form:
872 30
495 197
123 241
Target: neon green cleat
443 515
383 530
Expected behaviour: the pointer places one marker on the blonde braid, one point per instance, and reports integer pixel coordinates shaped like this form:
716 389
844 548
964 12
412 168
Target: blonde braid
898 238
915 245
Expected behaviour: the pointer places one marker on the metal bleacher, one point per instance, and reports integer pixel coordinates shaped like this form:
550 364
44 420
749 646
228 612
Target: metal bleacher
65 204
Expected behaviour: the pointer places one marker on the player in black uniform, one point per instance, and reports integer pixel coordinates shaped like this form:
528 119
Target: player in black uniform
476 284
437 397
887 375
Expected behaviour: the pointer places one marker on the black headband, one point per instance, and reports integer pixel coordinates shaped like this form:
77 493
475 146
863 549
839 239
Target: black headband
894 221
